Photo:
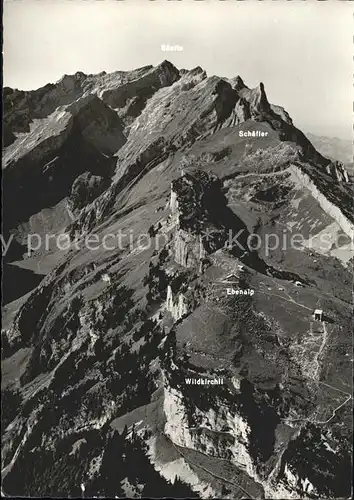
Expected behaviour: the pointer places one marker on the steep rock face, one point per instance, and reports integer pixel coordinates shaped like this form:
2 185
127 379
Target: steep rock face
237 83
240 113
89 116
22 107
282 113
182 432
325 202
193 195
161 128
258 100
176 306
58 148
99 125
85 189
27 320
216 105
182 428
143 86
225 431
338 171
188 249
198 233
43 138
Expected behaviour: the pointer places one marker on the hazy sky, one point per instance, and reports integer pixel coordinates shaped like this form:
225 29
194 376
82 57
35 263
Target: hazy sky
302 51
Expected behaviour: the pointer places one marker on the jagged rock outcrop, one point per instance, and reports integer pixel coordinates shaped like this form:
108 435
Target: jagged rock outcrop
326 203
85 189
198 233
78 108
237 83
98 125
259 101
73 139
225 431
115 89
240 113
188 249
338 171
282 113
45 136
177 306
132 83
191 196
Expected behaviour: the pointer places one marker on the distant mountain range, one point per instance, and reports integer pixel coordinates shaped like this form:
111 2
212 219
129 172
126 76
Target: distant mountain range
333 147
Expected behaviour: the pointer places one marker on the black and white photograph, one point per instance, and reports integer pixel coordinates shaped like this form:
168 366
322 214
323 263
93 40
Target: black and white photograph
177 249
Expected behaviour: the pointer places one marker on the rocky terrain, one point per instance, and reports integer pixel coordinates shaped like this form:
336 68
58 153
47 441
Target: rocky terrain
131 370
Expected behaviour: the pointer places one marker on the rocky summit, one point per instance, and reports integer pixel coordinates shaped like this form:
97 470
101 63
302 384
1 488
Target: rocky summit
141 209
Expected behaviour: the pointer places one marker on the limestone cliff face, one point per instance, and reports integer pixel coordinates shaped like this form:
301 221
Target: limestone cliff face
173 206
188 249
92 116
177 306
27 320
197 232
259 101
182 433
98 124
85 189
76 138
240 113
338 171
282 113
226 433
115 89
134 88
253 103
45 135
324 200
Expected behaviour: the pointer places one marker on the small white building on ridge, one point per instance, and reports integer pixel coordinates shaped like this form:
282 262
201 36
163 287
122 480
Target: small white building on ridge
318 314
